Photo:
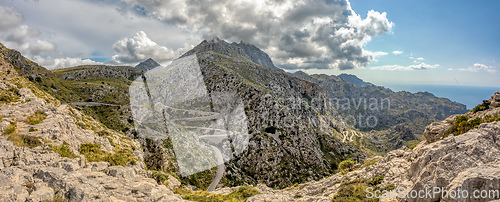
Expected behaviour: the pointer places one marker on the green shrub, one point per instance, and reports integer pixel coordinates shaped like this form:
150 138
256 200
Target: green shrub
241 194
463 125
36 118
347 165
376 180
64 150
121 157
10 95
32 129
481 107
355 190
11 128
370 162
159 176
460 119
25 140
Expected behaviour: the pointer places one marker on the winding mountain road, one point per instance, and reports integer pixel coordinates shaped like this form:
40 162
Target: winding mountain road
220 170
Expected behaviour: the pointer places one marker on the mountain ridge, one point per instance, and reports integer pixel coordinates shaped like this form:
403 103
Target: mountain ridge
147 65
242 49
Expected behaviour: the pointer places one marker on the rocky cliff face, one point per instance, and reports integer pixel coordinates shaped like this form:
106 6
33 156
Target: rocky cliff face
354 80
241 50
294 135
470 161
51 151
147 65
387 119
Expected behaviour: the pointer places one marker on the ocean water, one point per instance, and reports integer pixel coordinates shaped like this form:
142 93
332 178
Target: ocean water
468 95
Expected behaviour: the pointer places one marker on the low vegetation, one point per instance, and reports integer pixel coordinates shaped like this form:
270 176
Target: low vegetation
355 190
481 107
10 129
36 118
347 165
462 124
369 163
240 194
9 95
25 140
64 150
121 157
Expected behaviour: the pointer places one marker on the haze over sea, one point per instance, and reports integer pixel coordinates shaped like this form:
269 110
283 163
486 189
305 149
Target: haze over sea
468 95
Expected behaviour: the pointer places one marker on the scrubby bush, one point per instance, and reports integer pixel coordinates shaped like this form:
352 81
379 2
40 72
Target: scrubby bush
241 194
11 128
25 140
462 124
64 150
36 118
347 165
120 157
481 107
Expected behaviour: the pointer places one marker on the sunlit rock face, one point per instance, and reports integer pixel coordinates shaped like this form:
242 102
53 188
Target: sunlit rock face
205 128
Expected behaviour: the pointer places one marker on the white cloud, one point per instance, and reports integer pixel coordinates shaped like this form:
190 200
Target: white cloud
89 28
420 58
56 63
297 35
131 51
421 66
397 52
479 67
375 55
10 18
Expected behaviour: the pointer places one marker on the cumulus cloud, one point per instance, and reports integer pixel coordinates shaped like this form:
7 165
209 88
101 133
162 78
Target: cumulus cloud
19 36
131 51
420 58
297 34
10 18
479 67
421 66
375 55
397 52
64 62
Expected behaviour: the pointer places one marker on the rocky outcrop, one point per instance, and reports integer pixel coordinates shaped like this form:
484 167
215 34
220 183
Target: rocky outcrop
290 121
38 175
240 50
435 131
147 65
468 162
495 100
353 79
35 172
90 72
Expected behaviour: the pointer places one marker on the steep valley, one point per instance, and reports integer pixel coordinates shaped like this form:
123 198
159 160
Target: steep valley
295 123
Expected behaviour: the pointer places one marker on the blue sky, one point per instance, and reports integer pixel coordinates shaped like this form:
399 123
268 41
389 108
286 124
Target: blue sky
453 34
384 42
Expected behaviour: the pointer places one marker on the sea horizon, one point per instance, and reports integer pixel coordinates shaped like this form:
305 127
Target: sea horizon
471 96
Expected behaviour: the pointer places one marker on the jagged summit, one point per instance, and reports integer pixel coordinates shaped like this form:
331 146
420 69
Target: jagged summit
242 50
147 65
353 79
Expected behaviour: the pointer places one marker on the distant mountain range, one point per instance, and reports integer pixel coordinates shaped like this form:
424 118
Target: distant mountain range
298 122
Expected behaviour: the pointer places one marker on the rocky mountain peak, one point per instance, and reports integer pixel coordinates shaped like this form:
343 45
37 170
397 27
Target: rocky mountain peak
241 50
353 79
147 65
